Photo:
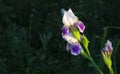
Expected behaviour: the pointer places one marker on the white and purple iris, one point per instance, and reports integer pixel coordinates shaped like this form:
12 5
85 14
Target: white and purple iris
71 22
107 50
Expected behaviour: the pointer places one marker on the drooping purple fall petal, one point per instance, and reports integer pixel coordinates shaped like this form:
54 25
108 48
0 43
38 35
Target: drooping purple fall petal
65 30
75 49
80 26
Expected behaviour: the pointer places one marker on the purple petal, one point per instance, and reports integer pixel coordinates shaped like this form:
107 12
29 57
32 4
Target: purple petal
74 48
65 30
109 45
81 26
110 48
104 49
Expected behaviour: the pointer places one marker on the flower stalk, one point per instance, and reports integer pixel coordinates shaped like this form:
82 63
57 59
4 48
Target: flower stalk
95 65
77 42
107 53
89 57
111 70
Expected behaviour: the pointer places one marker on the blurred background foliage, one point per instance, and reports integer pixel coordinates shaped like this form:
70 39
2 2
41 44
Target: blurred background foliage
31 41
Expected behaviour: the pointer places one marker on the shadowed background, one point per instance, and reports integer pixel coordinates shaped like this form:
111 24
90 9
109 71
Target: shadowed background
31 41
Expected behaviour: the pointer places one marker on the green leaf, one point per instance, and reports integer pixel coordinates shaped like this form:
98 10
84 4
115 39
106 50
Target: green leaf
104 37
76 34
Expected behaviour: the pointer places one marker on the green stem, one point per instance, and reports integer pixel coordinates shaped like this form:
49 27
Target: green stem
88 56
111 70
88 51
94 64
114 57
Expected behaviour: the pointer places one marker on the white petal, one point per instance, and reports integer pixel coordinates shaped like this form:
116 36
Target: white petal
69 18
70 11
70 39
73 19
65 19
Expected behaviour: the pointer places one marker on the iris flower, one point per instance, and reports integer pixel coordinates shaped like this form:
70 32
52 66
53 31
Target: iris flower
107 50
71 22
69 19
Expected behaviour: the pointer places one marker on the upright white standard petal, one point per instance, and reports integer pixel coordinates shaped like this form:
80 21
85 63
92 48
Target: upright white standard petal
70 39
69 18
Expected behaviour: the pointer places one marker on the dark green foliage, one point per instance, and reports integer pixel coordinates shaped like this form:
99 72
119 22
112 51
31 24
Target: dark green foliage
31 41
